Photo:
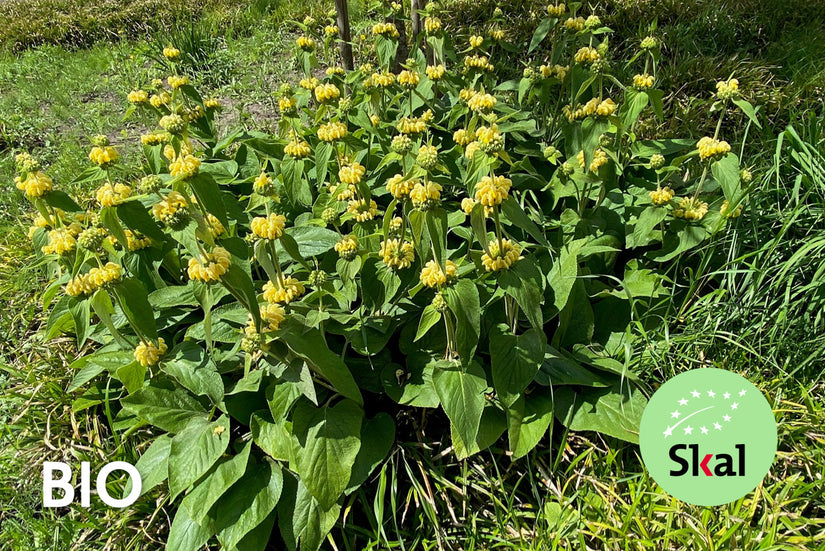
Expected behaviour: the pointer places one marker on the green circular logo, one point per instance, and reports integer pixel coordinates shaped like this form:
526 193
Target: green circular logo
708 436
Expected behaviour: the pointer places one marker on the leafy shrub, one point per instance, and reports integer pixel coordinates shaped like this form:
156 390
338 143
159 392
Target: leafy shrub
428 239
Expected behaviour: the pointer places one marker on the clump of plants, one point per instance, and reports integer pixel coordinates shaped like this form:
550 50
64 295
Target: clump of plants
413 240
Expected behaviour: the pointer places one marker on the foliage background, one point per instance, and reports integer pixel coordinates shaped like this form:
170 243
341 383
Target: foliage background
764 319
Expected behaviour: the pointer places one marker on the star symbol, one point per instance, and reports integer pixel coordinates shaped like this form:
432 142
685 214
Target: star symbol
742 392
717 426
704 430
688 430
668 432
675 414
683 402
726 395
695 394
711 394
726 418
734 405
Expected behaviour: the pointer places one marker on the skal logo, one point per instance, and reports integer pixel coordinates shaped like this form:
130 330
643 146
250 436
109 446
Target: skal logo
64 482
708 436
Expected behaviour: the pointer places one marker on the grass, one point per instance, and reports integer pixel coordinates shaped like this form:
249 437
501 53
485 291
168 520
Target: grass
581 491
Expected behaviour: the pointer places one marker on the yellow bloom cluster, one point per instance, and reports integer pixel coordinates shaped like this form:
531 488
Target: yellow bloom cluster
397 254
336 70
556 10
308 83
385 29
172 210
412 125
185 166
171 53
209 267
661 195
103 155
148 354
497 34
409 79
347 247
273 315
216 228
425 195
483 103
500 258
432 275
435 72
726 90
476 41
463 137
575 23
362 209
326 93
592 107
332 131
138 97
160 99
109 195
136 241
86 284
600 159
172 123
400 188
176 81
154 138
60 241
478 62
586 55
382 79
710 148
36 184
643 82
298 149
305 43
466 94
351 173
212 103
492 191
331 30
728 213
690 209
283 294
558 71
432 24
490 139
471 149
287 105
270 227
606 108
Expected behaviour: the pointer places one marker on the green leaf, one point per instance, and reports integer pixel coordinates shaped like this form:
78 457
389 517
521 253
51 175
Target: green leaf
515 214
635 102
195 371
463 300
559 368
412 386
208 491
313 240
563 274
170 409
186 534
301 519
248 502
238 282
515 360
153 465
377 439
576 320
80 310
541 32
274 438
60 200
136 217
528 419
726 172
132 376
524 282
329 439
134 300
749 110
209 195
648 220
436 222
462 396
429 317
615 411
479 224
110 221
194 450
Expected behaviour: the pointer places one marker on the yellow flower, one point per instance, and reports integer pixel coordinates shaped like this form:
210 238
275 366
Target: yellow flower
362 210
726 90
558 71
556 10
36 184
575 24
397 254
497 34
287 105
155 138
500 258
586 55
216 228
710 148
308 83
471 149
413 125
400 188
385 29
467 205
103 155
374 120
490 139
109 195
298 149
435 72
271 227
432 275
643 82
476 41
483 103
383 79
727 213
326 93
305 43
606 108
172 123
263 185
332 131
463 137
209 267
335 71
148 354
171 53
185 166
273 315
136 241
172 210
212 103
351 174
425 196
478 62
176 81
331 30
138 97
98 277
432 25
661 196
690 209
409 79
347 247
492 191
466 94
275 293
60 242
599 159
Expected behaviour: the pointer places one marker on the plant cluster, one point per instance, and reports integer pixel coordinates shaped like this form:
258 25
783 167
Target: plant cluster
423 238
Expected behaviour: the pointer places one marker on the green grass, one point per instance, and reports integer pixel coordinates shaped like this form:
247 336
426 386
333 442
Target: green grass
580 491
